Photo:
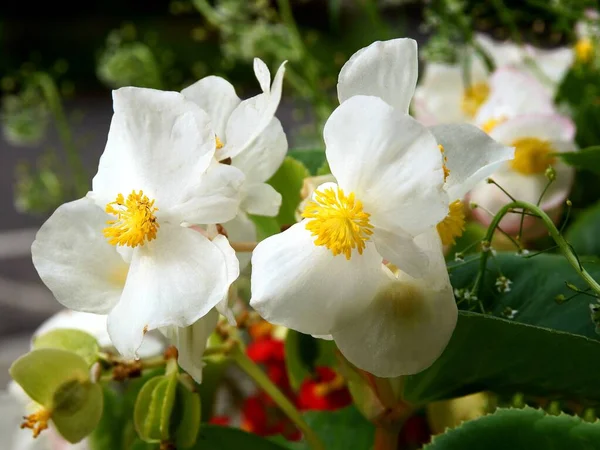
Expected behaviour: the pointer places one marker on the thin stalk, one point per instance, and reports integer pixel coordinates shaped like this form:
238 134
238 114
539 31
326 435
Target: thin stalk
243 246
386 438
263 381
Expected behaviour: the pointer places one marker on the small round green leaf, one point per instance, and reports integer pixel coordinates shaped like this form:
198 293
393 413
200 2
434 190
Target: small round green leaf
77 341
78 410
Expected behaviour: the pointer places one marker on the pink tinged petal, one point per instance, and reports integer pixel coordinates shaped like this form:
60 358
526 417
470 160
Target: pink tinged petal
471 156
159 142
174 280
408 324
549 127
262 200
384 69
76 262
191 342
390 161
250 119
217 97
241 229
304 287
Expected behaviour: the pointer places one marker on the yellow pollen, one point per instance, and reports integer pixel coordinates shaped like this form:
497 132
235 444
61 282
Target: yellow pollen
338 221
218 143
37 422
327 387
453 224
474 96
584 49
489 125
135 223
532 155
444 161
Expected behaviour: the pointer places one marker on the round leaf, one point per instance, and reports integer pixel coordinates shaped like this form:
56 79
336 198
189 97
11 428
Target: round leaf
78 416
77 341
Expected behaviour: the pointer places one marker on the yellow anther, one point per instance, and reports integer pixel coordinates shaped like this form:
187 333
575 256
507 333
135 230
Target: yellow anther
489 125
453 225
532 156
444 161
218 143
584 50
37 422
338 221
474 96
135 223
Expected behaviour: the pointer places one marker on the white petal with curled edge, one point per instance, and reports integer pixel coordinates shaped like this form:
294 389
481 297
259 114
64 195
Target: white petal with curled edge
159 142
471 156
402 251
217 97
216 198
549 127
261 199
173 280
408 324
250 119
191 342
384 69
74 259
260 161
390 161
241 229
304 287
233 272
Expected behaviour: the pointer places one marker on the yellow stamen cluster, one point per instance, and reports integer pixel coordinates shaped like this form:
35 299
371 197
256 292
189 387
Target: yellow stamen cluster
489 125
532 156
474 96
453 224
37 422
135 223
327 387
218 143
584 50
338 221
444 161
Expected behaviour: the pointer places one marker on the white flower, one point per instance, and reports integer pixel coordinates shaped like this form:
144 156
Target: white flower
249 133
536 139
124 250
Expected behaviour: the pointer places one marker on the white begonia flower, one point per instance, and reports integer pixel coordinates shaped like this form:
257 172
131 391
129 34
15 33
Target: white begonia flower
536 139
249 133
122 250
469 155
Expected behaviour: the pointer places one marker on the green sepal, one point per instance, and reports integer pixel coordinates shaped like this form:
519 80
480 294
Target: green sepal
153 408
77 341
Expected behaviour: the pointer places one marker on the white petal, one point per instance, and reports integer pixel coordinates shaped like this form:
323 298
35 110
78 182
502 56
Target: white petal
304 287
262 199
173 280
407 326
261 71
241 229
390 161
553 63
402 251
550 127
506 99
217 97
502 53
74 259
471 156
158 142
387 70
216 199
262 159
233 272
250 119
191 342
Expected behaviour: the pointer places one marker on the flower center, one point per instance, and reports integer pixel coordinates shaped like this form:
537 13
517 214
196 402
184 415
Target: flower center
532 155
584 49
338 221
453 225
490 124
218 143
135 222
37 422
474 97
444 161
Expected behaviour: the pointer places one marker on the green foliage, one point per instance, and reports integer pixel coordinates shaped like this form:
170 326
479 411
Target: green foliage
303 353
520 429
153 408
80 410
265 226
288 181
469 241
313 159
186 417
223 438
77 341
585 159
487 353
583 233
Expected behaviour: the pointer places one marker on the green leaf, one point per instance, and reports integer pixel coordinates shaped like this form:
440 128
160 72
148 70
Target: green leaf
469 241
488 353
77 341
41 373
303 353
586 159
187 417
153 408
77 419
265 226
583 233
214 437
108 434
288 181
517 429
313 159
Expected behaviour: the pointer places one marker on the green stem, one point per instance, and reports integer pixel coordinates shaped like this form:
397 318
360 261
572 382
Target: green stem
263 381
564 246
52 97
